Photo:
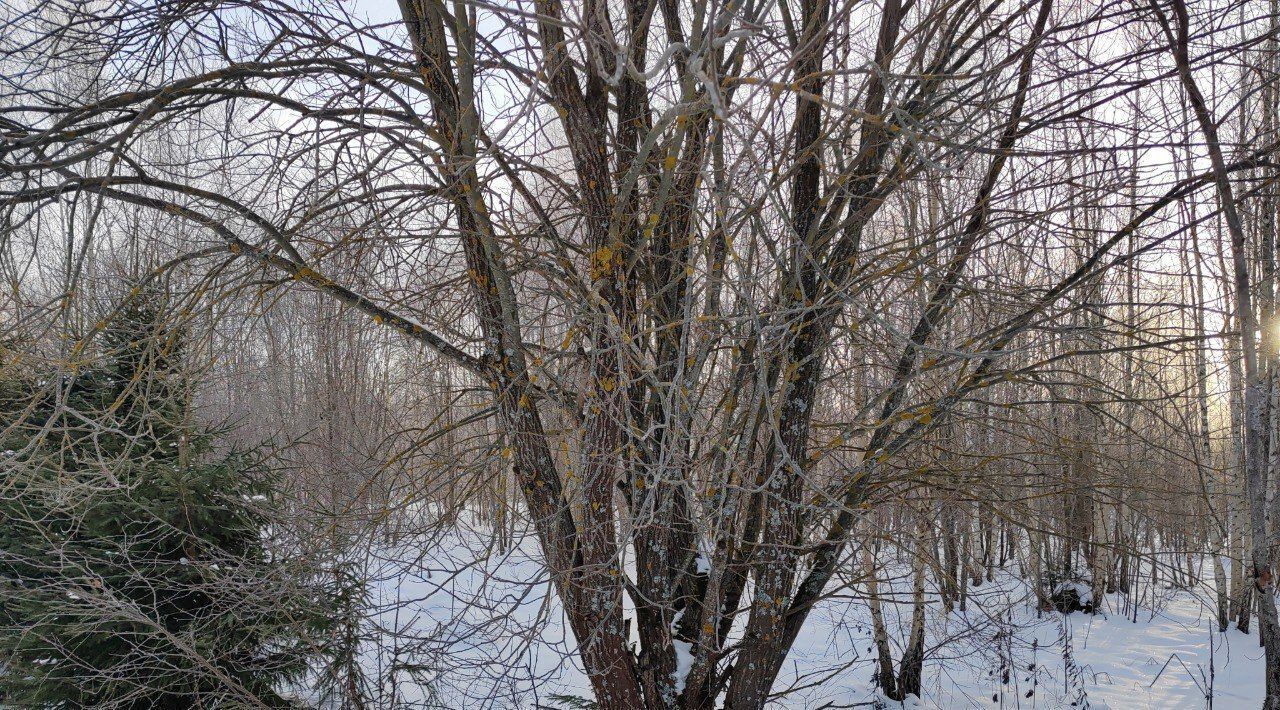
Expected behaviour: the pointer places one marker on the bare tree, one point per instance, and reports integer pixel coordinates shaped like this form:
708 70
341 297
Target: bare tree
711 283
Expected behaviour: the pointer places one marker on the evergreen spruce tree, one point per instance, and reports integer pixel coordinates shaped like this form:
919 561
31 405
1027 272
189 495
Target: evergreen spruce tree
133 567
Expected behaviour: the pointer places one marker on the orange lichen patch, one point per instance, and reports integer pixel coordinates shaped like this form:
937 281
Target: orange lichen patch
601 262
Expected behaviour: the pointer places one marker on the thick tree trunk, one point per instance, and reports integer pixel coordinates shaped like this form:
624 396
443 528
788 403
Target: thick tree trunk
583 562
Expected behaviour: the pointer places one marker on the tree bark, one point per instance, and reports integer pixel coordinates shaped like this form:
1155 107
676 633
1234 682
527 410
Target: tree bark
1255 399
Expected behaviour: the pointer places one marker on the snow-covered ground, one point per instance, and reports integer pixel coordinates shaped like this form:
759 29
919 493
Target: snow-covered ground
1168 658
461 625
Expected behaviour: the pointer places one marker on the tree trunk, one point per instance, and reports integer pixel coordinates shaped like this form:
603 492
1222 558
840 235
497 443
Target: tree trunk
884 656
1255 399
912 669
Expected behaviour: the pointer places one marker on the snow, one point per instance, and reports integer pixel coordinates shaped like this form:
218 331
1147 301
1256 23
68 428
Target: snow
458 623
1083 591
684 662
703 562
1166 659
